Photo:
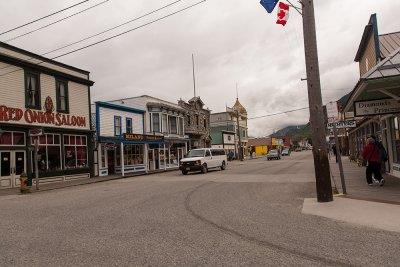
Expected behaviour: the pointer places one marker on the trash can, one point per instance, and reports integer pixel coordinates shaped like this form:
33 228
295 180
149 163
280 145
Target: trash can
24 188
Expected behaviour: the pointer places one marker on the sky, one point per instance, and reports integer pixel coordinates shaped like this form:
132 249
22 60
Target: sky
234 42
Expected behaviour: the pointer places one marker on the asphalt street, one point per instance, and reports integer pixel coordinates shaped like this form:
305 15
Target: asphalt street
249 214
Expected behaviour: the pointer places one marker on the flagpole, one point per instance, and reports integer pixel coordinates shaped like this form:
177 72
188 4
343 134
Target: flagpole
194 77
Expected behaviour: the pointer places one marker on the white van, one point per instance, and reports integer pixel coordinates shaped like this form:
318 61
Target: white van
203 159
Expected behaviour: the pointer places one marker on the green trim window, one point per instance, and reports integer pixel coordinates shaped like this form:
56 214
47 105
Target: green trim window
129 125
62 96
32 90
117 126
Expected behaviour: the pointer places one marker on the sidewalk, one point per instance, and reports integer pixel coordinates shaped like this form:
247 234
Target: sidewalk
60 185
376 207
357 187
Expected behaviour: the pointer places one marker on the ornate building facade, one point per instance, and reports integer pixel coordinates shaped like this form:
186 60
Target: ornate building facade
197 123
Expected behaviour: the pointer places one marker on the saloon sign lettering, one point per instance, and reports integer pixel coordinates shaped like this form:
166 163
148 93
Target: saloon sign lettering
8 114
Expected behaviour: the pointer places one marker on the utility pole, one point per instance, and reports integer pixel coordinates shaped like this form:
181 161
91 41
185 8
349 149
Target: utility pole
194 77
320 152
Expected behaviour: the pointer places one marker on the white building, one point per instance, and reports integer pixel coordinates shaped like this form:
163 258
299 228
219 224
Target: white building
157 135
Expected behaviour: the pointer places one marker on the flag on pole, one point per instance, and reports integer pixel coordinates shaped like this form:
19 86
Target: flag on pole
269 5
283 14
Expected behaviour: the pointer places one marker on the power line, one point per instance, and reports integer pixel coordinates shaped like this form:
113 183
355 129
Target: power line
112 28
49 15
114 36
55 22
128 31
279 113
102 32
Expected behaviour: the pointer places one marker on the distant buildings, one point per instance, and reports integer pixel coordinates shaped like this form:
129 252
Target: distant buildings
197 123
225 129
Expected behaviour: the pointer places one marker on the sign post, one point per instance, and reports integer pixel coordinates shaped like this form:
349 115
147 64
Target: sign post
339 159
36 133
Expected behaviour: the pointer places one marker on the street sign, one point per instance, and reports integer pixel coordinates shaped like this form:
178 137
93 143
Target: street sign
342 124
35 132
376 107
332 111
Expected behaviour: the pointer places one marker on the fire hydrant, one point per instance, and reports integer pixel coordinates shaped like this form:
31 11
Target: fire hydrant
23 178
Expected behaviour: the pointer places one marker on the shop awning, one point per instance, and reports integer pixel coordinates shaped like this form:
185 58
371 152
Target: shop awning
382 81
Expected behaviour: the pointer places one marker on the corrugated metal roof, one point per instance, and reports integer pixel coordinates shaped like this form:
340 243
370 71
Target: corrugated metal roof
389 43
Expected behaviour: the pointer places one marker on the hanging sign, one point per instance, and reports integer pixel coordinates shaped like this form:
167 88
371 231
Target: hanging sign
342 124
141 137
376 107
269 5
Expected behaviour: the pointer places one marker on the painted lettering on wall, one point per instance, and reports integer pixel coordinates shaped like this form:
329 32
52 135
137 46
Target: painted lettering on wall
33 116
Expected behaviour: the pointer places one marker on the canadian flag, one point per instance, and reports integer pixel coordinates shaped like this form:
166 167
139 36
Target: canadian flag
283 14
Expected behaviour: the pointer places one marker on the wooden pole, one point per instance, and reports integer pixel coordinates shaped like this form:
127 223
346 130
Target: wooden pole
320 151
339 159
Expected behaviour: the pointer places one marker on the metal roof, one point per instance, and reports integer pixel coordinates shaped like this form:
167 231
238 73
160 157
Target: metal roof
389 43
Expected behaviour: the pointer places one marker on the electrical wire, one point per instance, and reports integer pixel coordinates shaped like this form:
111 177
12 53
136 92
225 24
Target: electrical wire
102 32
115 36
55 22
130 30
279 113
44 17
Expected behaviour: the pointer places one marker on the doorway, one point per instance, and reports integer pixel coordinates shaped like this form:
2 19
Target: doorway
12 165
111 161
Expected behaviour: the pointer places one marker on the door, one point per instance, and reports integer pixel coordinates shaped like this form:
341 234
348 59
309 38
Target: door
12 165
111 161
209 159
151 163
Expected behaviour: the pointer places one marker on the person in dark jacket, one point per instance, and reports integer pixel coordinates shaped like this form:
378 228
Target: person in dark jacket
372 156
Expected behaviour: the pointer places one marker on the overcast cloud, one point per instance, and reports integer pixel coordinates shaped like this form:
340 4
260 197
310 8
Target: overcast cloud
233 41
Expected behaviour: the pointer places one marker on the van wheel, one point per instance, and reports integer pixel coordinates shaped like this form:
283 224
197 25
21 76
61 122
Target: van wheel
204 168
184 172
223 166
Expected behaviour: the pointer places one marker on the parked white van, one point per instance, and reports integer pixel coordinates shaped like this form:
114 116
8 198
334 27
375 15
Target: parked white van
203 159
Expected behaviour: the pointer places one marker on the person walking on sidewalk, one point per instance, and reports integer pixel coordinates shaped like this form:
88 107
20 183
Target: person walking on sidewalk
372 155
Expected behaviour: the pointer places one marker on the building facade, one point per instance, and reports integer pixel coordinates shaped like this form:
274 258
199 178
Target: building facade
374 101
225 124
197 123
165 122
48 102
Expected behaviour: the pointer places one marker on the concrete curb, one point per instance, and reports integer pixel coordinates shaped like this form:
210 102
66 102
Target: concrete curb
376 215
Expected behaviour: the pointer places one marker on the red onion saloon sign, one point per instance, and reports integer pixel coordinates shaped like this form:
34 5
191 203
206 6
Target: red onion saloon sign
29 116
376 107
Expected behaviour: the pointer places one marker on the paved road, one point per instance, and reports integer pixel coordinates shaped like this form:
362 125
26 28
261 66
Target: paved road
249 214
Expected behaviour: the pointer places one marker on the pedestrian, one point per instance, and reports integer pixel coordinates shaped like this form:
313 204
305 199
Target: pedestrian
335 152
371 154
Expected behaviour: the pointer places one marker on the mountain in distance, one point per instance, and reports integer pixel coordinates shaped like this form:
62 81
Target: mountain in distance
296 133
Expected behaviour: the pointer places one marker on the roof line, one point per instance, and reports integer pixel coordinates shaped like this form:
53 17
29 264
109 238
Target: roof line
48 60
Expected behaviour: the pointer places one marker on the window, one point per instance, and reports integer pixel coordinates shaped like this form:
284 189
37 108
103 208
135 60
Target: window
188 120
181 127
128 125
208 154
117 126
197 120
164 123
396 139
205 123
32 90
155 122
49 152
173 127
103 156
133 155
62 96
75 151
12 139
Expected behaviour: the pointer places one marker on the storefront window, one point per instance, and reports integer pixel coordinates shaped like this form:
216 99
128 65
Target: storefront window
12 139
75 151
133 154
103 156
6 139
49 152
396 140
